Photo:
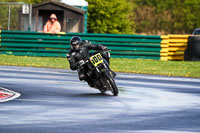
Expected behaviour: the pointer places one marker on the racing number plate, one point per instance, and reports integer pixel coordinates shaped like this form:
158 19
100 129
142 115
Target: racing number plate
96 59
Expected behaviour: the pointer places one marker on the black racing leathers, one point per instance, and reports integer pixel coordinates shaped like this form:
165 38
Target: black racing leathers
75 56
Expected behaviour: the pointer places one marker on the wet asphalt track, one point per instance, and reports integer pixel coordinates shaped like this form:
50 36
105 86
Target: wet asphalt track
54 101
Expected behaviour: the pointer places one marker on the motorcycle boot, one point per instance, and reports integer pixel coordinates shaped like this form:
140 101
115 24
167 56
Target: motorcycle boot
90 83
81 73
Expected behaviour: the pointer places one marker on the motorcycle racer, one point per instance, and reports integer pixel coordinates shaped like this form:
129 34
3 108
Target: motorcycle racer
79 51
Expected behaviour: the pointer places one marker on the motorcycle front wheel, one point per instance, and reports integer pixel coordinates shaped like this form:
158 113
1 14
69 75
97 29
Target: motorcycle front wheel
111 82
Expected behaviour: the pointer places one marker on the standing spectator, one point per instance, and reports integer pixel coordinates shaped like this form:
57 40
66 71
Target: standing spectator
52 25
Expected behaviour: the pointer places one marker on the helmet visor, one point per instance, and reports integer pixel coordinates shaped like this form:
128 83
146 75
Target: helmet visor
75 46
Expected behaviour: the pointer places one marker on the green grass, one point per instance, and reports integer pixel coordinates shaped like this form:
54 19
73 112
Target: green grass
157 67
145 66
48 62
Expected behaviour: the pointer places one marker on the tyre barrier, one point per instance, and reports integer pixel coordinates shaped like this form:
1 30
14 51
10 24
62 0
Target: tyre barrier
192 52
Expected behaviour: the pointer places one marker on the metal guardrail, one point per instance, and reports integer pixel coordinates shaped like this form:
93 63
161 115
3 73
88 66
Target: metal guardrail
57 45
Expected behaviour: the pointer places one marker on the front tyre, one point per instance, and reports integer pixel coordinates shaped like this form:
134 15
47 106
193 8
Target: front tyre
111 82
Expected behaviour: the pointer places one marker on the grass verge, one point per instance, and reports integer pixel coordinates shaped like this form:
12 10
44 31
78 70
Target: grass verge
143 66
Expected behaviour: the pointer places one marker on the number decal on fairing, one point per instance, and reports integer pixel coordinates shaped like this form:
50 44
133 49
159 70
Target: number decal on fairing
96 59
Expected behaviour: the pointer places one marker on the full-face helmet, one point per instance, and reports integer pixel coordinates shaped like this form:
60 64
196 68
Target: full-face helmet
75 43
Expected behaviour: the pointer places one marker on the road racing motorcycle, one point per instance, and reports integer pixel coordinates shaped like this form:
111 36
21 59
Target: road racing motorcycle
100 74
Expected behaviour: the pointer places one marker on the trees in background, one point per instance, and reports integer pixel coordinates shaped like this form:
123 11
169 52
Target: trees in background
186 15
110 16
167 16
14 13
129 16
143 16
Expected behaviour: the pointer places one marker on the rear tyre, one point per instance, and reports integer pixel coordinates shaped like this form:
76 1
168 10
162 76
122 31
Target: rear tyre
111 81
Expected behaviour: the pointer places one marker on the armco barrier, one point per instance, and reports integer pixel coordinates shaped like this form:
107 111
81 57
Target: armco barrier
169 47
173 47
57 45
32 44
